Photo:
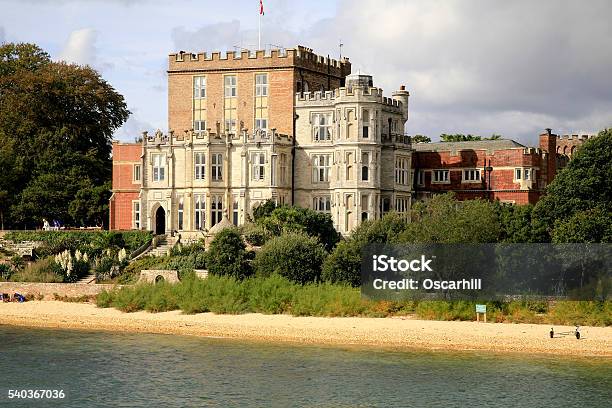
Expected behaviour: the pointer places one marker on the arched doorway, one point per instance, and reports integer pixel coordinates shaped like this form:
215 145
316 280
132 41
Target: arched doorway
160 220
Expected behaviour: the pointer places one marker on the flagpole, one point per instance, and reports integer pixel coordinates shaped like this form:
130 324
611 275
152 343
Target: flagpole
259 34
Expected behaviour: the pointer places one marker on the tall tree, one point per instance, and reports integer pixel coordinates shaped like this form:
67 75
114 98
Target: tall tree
56 125
583 186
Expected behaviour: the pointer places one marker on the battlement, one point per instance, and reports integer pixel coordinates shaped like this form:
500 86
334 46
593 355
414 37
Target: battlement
339 94
534 151
575 137
191 136
301 57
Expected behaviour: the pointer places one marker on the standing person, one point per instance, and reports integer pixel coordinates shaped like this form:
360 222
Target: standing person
45 224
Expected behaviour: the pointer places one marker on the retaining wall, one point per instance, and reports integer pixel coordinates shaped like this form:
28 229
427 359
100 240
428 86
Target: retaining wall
50 289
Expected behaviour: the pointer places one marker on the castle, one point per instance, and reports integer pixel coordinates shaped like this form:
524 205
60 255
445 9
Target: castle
298 128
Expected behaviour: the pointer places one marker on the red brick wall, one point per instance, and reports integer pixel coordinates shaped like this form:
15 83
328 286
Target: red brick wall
125 156
121 210
498 184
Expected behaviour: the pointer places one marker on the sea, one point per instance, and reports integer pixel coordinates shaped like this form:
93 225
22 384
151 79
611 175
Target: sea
106 369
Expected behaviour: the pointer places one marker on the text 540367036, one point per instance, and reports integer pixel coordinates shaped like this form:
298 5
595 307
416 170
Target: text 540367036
36 394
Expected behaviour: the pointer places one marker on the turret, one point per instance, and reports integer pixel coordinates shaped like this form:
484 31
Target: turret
402 96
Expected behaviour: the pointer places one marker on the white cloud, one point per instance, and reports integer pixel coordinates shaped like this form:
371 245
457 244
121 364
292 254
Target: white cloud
133 128
80 48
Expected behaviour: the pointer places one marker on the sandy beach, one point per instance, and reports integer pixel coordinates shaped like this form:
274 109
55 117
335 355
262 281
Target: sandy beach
393 333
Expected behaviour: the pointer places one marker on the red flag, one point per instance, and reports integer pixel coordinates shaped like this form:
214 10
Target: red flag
261 10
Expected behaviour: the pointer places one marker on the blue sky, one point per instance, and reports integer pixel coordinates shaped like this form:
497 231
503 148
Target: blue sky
472 66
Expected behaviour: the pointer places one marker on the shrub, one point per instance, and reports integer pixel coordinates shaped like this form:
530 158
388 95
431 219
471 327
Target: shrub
297 219
5 272
45 270
91 242
103 267
255 234
270 295
296 256
343 265
227 256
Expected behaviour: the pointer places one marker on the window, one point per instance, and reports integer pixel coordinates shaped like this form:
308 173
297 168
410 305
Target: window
216 209
200 165
137 174
518 174
259 165
217 167
321 168
199 87
322 204
385 205
401 204
136 205
471 175
200 211
441 176
366 124
401 171
261 124
230 124
199 126
365 204
527 174
261 85
420 177
235 211
283 168
159 168
321 124
180 215
365 169
230 86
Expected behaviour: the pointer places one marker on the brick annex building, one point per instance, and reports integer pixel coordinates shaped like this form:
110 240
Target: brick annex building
298 128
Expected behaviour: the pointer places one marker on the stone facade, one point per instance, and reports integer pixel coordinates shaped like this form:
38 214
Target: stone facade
233 119
354 160
296 128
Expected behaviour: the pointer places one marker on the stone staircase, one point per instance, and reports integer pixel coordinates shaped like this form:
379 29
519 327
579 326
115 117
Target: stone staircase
91 278
164 246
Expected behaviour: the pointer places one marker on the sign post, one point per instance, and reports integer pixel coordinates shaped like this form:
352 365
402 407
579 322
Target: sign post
481 309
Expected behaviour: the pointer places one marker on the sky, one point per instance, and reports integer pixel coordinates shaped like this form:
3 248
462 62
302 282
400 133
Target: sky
471 66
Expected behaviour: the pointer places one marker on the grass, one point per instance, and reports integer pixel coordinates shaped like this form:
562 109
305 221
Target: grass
277 295
41 271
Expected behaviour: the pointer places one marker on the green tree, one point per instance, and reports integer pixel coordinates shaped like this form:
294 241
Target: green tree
227 255
458 137
581 186
264 210
295 255
446 220
588 226
56 126
343 265
90 204
421 139
297 219
517 224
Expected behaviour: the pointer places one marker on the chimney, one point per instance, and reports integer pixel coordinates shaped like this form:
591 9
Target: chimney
548 143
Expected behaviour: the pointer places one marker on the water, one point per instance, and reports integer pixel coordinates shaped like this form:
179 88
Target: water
97 369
